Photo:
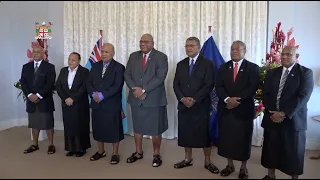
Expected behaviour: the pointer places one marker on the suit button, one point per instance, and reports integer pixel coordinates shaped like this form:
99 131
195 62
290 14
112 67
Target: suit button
100 85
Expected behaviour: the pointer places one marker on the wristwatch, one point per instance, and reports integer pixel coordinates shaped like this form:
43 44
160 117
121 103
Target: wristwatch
143 90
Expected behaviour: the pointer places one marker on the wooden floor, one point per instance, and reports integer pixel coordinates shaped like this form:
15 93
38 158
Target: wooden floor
15 164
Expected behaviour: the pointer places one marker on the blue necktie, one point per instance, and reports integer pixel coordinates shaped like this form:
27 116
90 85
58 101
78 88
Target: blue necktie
191 67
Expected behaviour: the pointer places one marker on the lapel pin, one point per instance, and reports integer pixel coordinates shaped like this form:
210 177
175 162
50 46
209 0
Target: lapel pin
292 75
241 69
229 67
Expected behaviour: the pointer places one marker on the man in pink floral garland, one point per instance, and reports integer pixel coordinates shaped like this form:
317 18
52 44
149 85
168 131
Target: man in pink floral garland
37 83
286 92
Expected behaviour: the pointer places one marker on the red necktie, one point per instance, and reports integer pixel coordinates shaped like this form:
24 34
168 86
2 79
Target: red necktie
144 61
235 72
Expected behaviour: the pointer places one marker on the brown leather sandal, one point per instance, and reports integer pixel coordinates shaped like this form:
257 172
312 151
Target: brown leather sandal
51 149
97 156
31 149
133 158
227 171
212 168
115 159
183 164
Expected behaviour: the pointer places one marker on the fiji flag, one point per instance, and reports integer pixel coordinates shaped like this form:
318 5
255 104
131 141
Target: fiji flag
95 56
211 52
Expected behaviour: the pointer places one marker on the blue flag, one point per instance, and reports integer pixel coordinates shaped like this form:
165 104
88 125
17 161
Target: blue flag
211 52
95 56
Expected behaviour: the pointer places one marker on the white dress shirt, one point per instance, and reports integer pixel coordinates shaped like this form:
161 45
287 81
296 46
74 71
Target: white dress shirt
234 64
194 59
34 65
284 70
71 75
194 62
147 56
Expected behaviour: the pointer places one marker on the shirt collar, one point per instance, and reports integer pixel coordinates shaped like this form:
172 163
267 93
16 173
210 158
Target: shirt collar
39 62
106 64
75 69
289 68
239 62
194 59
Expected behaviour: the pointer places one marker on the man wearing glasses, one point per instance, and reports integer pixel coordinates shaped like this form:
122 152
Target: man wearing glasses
193 82
145 74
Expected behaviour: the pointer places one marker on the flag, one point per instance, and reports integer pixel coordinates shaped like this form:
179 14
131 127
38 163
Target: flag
211 52
95 56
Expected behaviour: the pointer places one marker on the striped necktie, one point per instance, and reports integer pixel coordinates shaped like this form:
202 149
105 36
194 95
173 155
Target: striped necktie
282 82
36 68
104 69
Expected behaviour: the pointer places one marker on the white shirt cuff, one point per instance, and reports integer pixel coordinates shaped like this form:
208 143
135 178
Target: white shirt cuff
29 94
39 96
225 100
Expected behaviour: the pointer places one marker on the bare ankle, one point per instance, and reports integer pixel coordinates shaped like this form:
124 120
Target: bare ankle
230 163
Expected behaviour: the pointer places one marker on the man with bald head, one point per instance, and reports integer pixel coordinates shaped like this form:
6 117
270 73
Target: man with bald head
145 74
37 83
104 86
286 92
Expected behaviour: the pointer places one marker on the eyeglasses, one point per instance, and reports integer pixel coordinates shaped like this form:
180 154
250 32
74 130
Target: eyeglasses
190 46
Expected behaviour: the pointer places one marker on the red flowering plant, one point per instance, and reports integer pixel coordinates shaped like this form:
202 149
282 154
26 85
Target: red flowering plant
273 60
44 45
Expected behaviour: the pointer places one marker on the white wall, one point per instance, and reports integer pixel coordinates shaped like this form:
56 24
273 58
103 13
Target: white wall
304 17
17 31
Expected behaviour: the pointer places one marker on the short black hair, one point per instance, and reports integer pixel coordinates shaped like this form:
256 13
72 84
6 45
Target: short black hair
241 43
79 57
194 39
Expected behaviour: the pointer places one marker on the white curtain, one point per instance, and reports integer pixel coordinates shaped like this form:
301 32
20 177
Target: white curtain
170 23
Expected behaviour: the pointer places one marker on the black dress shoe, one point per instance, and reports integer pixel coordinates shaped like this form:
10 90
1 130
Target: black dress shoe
268 177
70 153
80 154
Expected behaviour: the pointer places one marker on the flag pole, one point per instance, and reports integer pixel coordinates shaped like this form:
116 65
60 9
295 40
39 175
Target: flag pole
100 33
209 31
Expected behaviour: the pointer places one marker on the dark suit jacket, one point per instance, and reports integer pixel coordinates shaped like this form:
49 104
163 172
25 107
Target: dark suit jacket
42 82
198 86
245 87
110 85
78 91
151 78
294 98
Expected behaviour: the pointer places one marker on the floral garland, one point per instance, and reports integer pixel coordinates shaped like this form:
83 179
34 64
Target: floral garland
273 60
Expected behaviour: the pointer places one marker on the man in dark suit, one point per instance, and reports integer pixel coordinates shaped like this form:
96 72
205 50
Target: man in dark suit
145 74
286 92
104 86
37 83
193 83
237 83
